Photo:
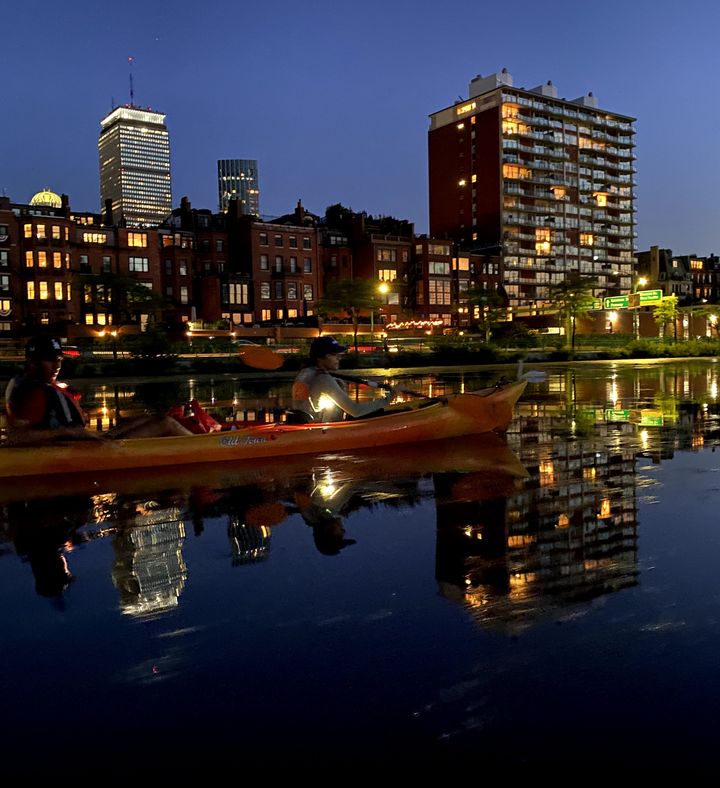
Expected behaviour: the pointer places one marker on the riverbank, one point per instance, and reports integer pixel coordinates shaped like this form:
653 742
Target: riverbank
441 358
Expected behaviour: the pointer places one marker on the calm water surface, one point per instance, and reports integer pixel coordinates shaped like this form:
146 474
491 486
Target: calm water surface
552 597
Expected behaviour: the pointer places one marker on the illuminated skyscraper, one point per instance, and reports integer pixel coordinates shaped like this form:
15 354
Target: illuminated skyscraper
135 165
238 180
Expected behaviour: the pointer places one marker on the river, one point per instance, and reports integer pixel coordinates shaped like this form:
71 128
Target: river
551 597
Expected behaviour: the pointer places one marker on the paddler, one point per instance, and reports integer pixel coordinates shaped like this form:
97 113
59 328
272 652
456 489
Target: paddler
40 409
318 396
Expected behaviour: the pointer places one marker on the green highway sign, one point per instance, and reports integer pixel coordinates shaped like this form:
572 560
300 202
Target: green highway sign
645 298
616 302
617 415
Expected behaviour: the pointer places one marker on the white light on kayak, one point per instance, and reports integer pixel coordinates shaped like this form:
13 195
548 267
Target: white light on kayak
325 402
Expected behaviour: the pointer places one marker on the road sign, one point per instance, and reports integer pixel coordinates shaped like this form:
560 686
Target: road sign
616 302
647 417
645 298
598 304
617 415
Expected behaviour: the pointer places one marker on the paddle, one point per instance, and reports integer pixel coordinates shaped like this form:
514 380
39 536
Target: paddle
373 384
260 357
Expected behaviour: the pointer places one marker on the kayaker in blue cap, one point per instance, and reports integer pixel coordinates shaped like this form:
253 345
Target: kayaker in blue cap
40 409
318 396
36 400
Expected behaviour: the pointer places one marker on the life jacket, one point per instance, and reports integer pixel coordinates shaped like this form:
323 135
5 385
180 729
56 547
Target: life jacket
194 418
61 408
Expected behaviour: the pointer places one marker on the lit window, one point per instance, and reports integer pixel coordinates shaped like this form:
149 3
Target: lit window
183 295
586 239
57 260
387 274
58 291
136 239
27 230
29 261
138 264
292 291
43 291
474 179
100 238
42 259
547 473
56 232
265 291
31 290
40 232
601 199
308 292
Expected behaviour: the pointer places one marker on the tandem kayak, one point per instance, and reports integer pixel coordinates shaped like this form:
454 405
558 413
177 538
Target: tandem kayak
488 410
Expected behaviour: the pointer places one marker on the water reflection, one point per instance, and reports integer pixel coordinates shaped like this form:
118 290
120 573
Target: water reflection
399 573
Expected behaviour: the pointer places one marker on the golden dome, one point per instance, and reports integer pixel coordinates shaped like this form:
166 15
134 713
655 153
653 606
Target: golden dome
46 197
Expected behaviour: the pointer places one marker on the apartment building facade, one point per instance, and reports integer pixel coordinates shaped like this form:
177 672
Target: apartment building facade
546 183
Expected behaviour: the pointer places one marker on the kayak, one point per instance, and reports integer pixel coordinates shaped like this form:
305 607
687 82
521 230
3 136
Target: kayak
484 411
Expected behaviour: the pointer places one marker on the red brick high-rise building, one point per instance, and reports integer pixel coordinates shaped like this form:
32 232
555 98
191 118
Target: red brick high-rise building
544 182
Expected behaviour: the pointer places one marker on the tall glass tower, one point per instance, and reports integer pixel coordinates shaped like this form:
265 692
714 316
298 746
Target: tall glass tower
134 150
238 180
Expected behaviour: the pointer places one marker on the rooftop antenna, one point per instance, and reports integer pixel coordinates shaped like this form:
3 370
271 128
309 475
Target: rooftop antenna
132 89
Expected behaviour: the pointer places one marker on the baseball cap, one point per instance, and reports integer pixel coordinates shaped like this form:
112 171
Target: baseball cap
322 346
43 348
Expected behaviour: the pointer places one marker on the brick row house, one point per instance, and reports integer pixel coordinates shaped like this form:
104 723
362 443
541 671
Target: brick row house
78 273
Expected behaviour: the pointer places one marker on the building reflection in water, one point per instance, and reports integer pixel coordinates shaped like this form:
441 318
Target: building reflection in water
149 571
565 534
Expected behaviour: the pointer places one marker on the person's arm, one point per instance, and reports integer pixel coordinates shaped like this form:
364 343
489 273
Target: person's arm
23 434
326 385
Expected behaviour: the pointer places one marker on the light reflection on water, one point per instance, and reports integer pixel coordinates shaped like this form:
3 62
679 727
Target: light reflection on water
459 599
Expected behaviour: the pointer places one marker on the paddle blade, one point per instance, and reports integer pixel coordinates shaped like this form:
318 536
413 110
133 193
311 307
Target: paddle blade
260 357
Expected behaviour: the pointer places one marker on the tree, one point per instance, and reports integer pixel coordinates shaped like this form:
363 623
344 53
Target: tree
349 297
666 312
572 297
123 297
490 307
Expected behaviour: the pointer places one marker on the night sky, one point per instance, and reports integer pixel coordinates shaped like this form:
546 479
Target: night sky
332 97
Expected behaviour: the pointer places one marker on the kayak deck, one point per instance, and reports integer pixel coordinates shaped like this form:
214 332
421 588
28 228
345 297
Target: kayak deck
463 414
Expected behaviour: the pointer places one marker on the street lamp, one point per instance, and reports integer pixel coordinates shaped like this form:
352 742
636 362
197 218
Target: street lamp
382 289
640 282
113 334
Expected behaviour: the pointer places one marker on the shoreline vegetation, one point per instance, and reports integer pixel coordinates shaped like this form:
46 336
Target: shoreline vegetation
440 353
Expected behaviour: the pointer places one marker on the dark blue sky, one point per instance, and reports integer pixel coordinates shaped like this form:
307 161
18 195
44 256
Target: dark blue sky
332 97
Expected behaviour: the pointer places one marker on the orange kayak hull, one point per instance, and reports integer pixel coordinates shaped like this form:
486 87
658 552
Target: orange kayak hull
490 410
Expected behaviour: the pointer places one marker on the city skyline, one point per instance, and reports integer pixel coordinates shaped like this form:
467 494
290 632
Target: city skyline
334 105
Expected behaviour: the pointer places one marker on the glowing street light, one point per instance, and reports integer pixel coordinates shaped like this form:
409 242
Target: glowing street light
113 335
383 288
641 282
